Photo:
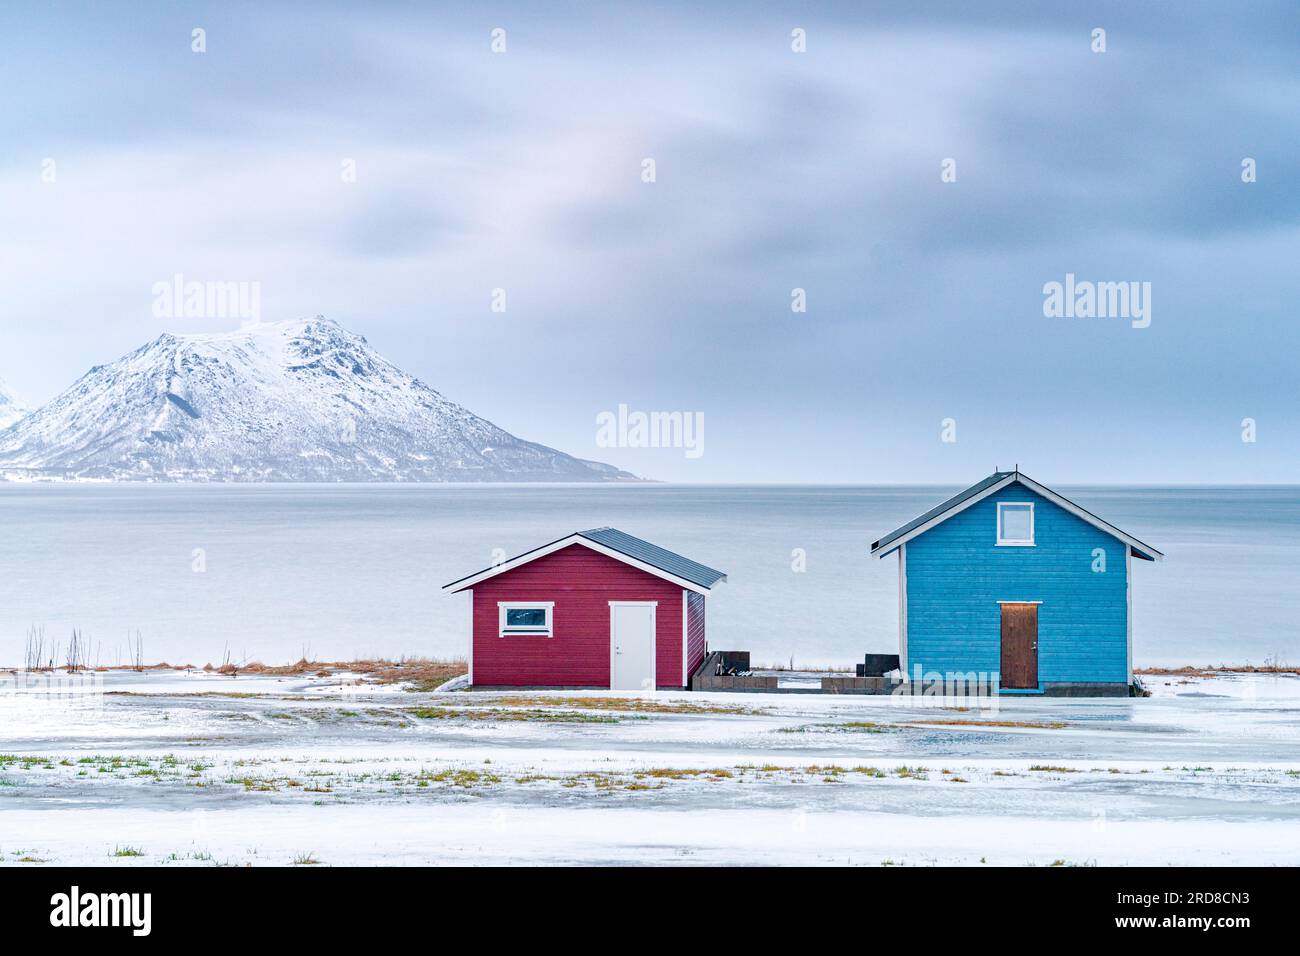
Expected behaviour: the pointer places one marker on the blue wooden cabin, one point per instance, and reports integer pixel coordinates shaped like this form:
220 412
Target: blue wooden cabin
1010 578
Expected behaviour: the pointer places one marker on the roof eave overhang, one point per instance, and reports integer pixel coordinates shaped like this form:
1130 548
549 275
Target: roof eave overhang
1138 548
529 556
881 551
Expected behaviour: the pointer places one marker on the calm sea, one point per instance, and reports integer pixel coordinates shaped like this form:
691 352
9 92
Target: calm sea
273 572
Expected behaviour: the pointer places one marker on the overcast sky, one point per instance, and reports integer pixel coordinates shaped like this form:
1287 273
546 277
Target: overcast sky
775 170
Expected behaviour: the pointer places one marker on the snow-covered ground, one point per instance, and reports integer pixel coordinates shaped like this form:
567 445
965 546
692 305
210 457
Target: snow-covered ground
191 768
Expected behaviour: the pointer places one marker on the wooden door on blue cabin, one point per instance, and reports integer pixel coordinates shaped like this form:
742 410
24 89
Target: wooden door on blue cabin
1019 646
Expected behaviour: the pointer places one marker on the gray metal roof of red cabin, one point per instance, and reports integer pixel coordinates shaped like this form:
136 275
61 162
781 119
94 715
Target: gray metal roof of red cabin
670 562
652 554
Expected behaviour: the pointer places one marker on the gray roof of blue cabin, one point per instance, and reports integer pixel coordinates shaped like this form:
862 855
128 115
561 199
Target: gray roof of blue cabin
652 554
937 510
1145 551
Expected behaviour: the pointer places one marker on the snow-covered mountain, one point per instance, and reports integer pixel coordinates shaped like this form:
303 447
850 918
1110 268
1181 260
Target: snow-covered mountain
286 401
10 408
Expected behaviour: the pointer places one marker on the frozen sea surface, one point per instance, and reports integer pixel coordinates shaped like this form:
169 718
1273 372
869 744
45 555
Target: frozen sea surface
191 768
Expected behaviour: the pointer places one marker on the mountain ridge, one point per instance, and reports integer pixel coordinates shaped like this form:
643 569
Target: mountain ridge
11 409
298 400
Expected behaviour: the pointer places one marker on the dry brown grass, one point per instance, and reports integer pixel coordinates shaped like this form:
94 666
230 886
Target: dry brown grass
106 669
1208 671
424 672
672 773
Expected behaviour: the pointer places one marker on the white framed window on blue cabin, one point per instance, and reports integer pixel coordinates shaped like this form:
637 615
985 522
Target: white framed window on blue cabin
1015 524
525 618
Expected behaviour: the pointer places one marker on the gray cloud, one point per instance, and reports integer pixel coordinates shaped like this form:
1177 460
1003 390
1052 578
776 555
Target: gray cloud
775 170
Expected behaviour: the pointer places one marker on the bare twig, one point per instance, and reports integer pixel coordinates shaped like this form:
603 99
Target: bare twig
75 659
35 653
136 650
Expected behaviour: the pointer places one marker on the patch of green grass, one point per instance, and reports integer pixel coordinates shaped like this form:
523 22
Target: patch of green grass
128 851
457 777
26 761
829 770
672 773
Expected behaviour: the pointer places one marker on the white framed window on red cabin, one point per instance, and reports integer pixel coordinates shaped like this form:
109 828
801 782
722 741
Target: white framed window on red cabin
525 618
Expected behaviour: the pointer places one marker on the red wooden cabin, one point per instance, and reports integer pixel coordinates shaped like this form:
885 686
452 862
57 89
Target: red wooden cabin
599 608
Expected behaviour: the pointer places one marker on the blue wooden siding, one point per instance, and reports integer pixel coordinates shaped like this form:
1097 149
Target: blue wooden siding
956 574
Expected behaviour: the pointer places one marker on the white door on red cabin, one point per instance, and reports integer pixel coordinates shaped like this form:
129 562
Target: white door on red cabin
632 645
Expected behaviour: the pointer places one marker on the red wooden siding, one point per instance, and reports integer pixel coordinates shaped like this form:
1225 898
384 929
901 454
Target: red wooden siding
581 582
695 644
